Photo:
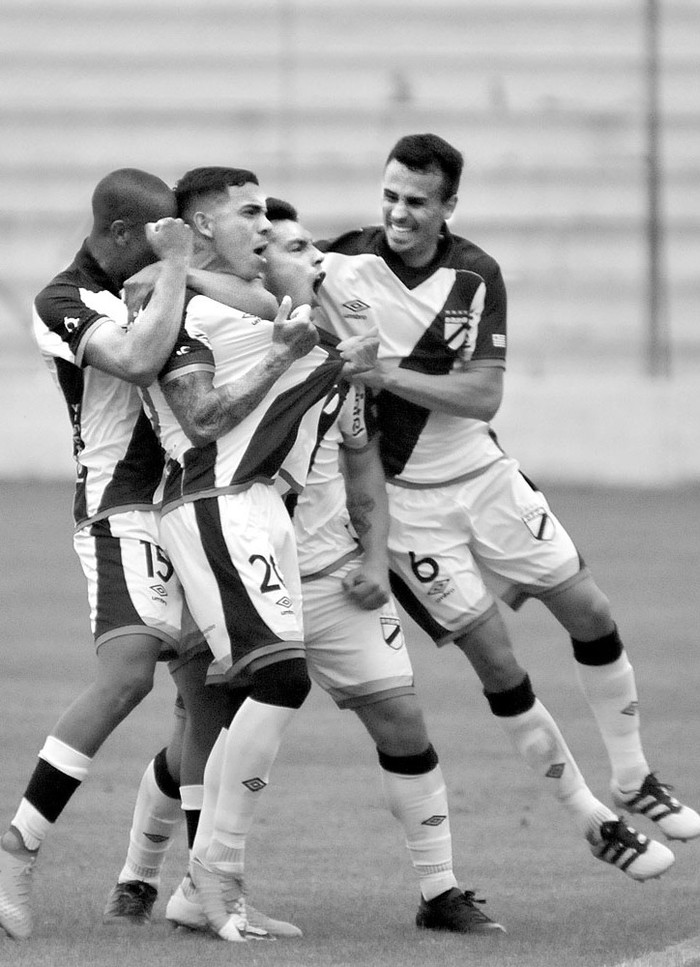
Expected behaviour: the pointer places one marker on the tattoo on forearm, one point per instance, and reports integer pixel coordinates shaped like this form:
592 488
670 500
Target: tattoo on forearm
360 507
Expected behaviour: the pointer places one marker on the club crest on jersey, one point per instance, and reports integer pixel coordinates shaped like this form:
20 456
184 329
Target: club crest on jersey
539 523
391 629
457 323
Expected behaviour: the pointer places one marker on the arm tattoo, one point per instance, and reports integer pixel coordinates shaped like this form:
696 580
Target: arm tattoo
360 507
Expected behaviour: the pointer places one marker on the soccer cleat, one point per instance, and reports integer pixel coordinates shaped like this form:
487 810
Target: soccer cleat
130 902
16 865
654 800
184 910
455 911
276 928
222 899
635 854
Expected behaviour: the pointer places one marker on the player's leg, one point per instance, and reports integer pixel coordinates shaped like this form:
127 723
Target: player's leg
249 751
130 629
124 675
156 818
607 680
468 616
359 658
236 557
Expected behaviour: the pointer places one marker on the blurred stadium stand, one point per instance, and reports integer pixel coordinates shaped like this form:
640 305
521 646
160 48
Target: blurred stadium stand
546 98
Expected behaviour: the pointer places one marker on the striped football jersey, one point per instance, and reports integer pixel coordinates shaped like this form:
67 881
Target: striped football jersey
439 319
119 461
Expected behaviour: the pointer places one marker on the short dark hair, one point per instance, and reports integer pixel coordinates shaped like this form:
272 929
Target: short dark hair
202 182
421 152
132 196
280 211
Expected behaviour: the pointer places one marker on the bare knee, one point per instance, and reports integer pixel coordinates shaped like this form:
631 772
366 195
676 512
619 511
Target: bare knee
396 725
489 650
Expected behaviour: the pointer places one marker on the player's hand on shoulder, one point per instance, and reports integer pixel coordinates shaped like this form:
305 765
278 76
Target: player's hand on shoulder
171 238
359 353
293 332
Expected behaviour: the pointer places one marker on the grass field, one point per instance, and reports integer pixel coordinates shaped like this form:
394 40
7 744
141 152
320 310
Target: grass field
325 851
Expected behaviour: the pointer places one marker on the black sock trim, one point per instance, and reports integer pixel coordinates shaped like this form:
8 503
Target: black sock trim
49 790
191 822
164 780
601 651
513 701
409 765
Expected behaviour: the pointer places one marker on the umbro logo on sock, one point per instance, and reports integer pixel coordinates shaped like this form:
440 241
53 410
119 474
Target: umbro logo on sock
631 709
155 838
434 821
255 785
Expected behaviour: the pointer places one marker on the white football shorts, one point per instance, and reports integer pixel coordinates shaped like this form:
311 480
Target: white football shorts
132 587
236 557
452 548
357 656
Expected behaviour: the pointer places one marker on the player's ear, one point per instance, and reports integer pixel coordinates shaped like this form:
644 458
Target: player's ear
449 206
119 232
203 224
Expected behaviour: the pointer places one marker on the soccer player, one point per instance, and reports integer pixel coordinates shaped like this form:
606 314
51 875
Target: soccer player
98 358
354 643
230 405
460 507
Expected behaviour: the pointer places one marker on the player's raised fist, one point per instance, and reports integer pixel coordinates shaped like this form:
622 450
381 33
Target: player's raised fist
170 238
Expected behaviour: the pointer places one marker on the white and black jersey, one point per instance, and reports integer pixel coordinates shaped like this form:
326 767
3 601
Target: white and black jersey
228 343
119 460
441 318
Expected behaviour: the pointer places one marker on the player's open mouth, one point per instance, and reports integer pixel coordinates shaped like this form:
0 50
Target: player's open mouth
318 281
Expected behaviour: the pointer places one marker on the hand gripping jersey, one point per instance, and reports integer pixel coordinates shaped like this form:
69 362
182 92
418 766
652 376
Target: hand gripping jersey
321 521
119 460
228 343
439 319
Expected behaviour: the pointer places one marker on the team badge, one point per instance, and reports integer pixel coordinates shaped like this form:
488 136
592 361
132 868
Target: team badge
391 629
457 325
71 323
540 524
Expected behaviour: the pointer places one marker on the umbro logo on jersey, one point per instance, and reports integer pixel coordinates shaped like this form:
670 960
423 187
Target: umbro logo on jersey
391 629
555 771
255 785
434 821
355 305
71 323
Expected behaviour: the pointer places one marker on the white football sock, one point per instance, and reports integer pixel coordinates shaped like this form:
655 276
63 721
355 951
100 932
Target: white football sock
155 821
611 693
420 805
